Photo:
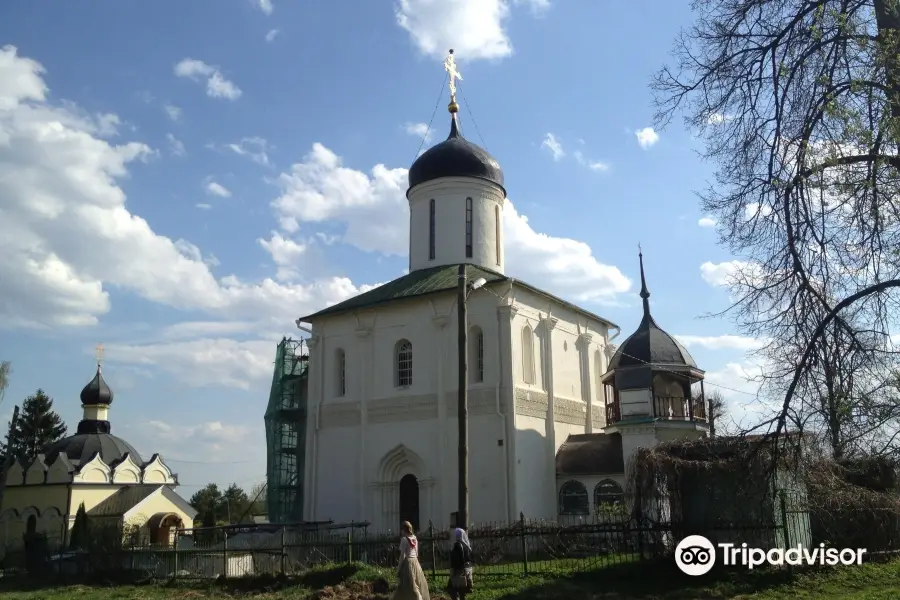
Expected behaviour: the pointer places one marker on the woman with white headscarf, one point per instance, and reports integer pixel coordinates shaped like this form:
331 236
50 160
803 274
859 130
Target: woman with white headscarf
460 565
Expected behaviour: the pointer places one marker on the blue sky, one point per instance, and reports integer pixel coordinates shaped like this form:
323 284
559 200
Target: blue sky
181 180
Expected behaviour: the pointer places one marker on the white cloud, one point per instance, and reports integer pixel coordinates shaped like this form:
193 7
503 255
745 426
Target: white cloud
646 137
754 209
722 274
254 148
175 145
287 254
270 36
203 206
216 84
706 222
374 211
537 6
739 384
60 186
721 342
420 131
204 361
265 5
475 29
217 189
554 146
172 111
593 165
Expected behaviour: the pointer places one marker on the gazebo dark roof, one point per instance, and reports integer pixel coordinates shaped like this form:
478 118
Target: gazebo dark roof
650 345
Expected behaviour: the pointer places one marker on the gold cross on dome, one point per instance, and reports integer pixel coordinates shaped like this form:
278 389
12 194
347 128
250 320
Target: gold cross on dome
99 353
453 72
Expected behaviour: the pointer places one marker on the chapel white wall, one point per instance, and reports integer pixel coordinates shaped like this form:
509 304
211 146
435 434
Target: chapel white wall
449 195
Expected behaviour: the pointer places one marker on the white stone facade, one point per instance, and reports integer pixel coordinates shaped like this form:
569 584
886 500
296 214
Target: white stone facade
367 431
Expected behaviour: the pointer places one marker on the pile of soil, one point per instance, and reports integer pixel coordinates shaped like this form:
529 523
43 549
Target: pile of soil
379 589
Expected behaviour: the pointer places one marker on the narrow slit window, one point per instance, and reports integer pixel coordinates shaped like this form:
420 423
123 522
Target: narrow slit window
497 233
468 228
431 230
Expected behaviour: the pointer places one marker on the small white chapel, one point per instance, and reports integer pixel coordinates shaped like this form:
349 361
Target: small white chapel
554 409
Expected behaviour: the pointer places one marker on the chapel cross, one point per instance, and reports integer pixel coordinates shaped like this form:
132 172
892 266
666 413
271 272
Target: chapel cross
450 67
99 354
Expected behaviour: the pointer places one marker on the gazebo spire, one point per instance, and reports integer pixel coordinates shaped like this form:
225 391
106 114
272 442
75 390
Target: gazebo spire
645 293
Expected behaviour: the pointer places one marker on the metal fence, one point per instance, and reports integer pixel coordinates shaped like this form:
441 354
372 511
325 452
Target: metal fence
574 543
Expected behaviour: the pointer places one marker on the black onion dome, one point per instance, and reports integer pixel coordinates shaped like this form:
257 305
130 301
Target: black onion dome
82 447
650 345
455 157
96 392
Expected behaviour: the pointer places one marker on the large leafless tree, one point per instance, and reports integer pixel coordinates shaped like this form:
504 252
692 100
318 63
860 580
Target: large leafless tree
798 104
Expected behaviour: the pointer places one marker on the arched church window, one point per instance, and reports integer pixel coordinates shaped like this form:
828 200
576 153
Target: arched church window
340 372
527 355
431 229
497 233
31 525
607 493
476 355
404 363
468 228
573 499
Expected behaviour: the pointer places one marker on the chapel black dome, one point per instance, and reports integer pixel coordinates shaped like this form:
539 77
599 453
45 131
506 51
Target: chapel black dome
96 391
82 447
455 157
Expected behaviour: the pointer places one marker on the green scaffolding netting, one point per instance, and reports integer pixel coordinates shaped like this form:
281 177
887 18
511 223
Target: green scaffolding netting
286 433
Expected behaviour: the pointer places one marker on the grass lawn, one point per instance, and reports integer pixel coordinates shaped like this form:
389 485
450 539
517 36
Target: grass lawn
878 581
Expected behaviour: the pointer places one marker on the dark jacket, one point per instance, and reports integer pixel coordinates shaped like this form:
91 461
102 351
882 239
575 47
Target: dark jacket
460 557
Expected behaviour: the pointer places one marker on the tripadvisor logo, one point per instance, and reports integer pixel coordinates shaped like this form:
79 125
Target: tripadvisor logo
696 555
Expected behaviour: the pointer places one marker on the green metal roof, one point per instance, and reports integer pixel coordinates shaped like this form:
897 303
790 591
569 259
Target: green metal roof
418 283
433 280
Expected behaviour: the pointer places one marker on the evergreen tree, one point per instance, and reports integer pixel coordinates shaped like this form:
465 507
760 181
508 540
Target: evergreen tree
38 426
80 534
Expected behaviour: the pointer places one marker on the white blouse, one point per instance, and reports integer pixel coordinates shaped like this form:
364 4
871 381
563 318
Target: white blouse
406 549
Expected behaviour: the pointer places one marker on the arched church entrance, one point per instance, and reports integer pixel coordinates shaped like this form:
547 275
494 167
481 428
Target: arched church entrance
401 491
409 500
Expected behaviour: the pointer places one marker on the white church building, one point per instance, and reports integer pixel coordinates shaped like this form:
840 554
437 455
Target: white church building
555 410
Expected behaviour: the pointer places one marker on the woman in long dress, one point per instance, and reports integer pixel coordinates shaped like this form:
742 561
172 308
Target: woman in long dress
411 582
460 565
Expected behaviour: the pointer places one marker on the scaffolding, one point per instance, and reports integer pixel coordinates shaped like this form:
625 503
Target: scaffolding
286 433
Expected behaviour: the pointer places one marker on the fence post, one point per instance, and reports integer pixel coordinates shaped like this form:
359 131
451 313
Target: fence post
175 556
225 555
785 528
524 543
350 546
283 554
433 559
